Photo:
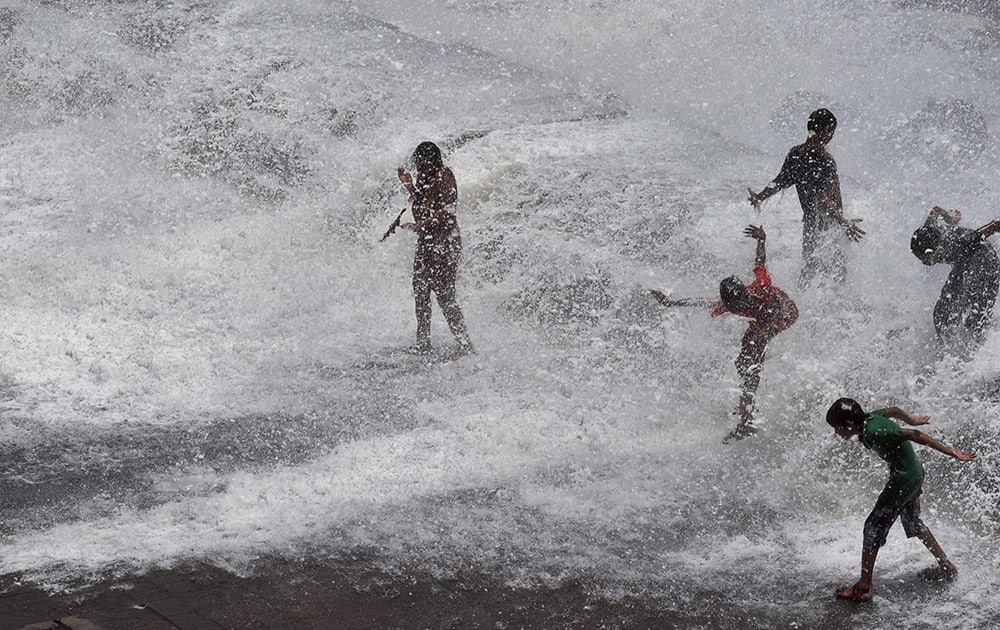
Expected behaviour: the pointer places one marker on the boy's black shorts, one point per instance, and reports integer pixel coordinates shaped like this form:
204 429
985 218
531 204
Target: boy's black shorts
882 517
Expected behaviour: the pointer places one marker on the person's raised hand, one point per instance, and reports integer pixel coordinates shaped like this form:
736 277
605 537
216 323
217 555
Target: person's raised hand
755 232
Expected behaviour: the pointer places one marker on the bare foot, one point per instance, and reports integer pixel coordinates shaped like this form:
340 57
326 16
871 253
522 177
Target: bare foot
856 593
946 572
740 432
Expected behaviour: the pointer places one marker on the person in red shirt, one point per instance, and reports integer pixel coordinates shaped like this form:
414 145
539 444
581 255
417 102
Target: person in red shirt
771 310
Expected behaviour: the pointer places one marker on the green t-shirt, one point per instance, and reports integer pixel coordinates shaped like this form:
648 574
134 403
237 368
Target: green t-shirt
906 474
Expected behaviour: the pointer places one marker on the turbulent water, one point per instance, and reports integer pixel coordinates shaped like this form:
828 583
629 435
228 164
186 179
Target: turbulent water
199 329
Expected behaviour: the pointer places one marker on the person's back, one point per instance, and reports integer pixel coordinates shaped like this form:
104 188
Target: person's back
885 438
813 172
436 193
965 306
970 254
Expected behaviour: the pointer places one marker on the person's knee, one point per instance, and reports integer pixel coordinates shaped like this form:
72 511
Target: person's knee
914 527
873 537
877 527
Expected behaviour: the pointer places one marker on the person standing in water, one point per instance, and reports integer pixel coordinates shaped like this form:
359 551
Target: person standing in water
771 311
965 307
901 496
433 194
812 170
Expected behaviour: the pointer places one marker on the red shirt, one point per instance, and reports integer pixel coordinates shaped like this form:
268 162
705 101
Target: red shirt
771 305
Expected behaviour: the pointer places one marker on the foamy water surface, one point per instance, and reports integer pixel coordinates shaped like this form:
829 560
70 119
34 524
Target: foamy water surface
200 353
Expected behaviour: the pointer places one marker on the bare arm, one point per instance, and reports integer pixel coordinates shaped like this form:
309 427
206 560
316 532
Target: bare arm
899 414
922 438
756 199
783 180
407 180
662 298
757 232
990 228
836 206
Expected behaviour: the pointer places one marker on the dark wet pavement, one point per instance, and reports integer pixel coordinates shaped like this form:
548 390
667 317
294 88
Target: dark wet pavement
312 595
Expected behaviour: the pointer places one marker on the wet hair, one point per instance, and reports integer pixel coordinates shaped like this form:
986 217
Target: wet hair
734 294
926 239
846 412
427 154
821 120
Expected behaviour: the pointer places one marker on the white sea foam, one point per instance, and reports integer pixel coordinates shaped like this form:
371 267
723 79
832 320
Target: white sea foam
201 332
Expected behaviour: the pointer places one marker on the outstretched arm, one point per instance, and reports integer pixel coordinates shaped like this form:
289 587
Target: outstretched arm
990 228
922 438
784 179
836 206
757 232
662 298
899 414
756 199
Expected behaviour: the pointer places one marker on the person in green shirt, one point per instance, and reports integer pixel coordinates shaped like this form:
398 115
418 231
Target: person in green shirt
901 496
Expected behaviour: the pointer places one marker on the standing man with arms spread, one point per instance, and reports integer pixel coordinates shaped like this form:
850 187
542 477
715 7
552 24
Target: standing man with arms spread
433 194
812 170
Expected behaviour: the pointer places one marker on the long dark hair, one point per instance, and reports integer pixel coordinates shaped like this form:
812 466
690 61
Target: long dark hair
427 155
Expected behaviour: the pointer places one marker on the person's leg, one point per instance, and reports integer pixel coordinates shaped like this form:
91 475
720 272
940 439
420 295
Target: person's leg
453 315
868 557
877 526
945 570
978 301
914 527
827 254
445 274
862 590
810 257
837 261
748 366
422 302
948 311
